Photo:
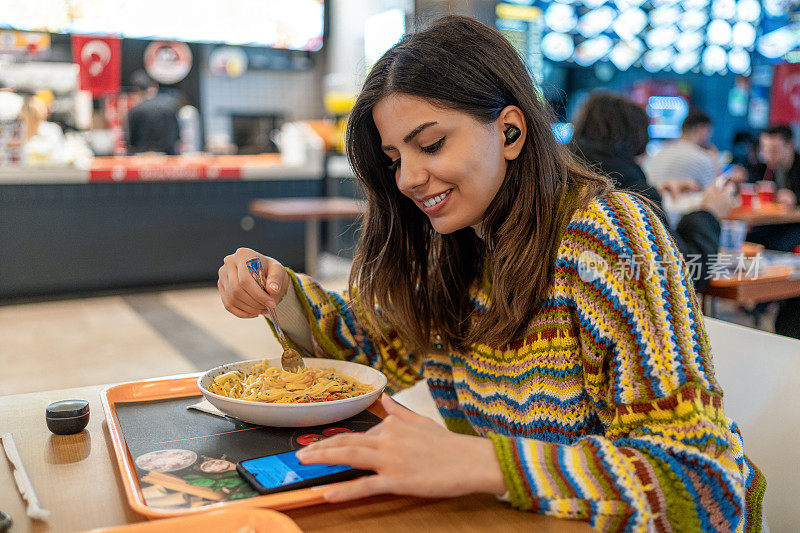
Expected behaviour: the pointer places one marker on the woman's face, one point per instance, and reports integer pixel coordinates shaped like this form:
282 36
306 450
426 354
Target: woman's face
447 162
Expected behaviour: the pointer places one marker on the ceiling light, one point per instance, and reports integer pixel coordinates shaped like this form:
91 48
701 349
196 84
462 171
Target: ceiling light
739 61
719 32
625 53
591 50
560 17
685 61
714 59
661 37
630 23
689 41
744 35
557 46
723 9
596 21
661 16
748 10
656 60
693 20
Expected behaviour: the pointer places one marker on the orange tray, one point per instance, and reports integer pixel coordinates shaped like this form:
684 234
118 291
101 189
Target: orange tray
183 387
222 521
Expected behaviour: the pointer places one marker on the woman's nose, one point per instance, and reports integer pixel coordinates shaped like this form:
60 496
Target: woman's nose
410 176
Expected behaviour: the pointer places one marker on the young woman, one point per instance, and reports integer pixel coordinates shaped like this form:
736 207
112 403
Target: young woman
489 265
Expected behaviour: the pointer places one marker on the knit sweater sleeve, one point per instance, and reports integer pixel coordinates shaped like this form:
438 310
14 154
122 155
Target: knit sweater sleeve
669 458
339 331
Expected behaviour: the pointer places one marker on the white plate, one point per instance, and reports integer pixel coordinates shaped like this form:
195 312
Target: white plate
296 414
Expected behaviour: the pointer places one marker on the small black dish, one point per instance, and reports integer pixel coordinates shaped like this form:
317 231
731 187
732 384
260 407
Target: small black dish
67 417
5 521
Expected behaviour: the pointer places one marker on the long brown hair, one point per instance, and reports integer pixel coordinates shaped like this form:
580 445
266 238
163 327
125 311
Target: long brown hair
420 279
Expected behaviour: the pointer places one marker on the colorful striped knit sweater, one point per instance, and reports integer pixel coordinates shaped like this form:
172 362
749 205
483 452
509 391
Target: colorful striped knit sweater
607 408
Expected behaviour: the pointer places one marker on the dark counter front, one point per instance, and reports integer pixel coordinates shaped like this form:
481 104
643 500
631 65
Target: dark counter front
65 238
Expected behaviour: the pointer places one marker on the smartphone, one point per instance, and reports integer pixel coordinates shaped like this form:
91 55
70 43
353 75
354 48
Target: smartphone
727 170
283 471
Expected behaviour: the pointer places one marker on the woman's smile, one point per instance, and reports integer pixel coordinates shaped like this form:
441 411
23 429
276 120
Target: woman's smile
434 203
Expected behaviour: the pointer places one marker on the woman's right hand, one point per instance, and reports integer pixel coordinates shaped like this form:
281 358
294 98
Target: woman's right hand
241 295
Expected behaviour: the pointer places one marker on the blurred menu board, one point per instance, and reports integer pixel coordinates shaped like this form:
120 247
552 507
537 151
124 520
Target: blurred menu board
522 26
296 25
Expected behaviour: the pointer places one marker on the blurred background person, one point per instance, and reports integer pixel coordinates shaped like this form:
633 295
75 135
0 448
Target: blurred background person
44 140
744 152
153 122
691 156
37 117
781 164
611 133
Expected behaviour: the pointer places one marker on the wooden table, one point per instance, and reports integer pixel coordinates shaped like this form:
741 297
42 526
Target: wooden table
777 282
753 292
311 211
765 217
749 293
76 478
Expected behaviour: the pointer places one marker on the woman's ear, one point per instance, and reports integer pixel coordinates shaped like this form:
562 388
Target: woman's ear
513 130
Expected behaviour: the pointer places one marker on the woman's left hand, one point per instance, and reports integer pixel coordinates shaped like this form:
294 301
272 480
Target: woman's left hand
411 455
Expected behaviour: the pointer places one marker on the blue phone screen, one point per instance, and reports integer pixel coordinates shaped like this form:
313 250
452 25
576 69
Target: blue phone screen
727 170
282 469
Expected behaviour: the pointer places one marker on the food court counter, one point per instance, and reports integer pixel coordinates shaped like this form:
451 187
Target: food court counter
142 220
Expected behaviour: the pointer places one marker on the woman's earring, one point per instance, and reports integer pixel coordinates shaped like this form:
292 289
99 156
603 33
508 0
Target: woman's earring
512 133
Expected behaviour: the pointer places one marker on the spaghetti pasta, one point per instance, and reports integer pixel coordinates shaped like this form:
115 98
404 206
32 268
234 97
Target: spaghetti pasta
275 385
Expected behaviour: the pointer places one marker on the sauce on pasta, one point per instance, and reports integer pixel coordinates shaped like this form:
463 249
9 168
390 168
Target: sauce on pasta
275 385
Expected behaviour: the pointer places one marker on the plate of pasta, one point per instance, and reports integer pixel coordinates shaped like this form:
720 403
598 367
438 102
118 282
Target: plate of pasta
259 391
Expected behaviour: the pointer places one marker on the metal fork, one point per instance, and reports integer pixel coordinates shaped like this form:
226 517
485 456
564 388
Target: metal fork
290 360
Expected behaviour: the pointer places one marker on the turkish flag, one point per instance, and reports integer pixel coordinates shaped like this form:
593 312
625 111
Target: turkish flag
100 60
784 105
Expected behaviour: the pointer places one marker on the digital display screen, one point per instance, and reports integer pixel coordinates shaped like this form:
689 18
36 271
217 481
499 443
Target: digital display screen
562 131
666 116
657 34
284 469
295 25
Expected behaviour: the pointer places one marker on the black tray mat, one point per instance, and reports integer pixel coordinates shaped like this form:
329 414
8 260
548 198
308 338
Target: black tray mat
208 448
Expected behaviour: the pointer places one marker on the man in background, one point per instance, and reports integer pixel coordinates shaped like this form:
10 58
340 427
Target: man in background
153 123
690 157
781 164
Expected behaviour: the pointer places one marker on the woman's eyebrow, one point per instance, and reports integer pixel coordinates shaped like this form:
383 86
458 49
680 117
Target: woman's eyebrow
416 131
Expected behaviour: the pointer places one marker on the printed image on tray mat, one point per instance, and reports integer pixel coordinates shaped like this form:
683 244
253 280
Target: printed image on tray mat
186 458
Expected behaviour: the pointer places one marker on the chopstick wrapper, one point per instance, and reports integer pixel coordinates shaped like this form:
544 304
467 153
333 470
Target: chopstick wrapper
24 486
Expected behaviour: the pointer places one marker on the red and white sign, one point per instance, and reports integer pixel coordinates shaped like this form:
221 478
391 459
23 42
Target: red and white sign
784 105
100 61
125 169
167 62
